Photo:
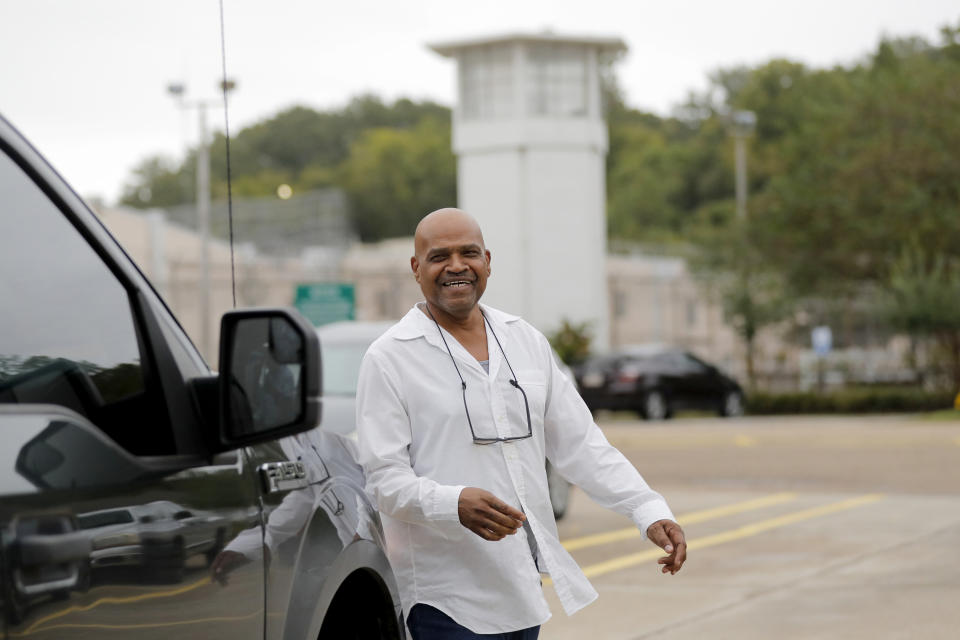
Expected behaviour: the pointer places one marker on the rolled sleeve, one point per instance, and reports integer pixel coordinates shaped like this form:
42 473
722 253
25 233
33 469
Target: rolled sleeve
579 450
649 512
446 503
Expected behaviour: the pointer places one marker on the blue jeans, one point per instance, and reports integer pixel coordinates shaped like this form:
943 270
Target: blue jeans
428 623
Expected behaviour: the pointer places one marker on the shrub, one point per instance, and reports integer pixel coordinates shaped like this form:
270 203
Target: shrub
864 400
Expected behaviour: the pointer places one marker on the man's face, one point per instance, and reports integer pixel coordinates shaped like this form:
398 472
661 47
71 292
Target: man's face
451 265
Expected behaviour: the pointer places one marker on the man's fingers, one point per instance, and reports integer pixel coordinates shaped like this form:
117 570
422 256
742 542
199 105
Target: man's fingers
497 527
669 565
490 524
503 519
680 556
488 516
668 535
676 535
484 515
508 511
680 547
487 534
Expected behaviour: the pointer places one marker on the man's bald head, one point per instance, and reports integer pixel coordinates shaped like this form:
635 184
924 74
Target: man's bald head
451 263
444 222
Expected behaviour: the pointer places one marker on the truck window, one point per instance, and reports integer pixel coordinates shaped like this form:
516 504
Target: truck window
67 330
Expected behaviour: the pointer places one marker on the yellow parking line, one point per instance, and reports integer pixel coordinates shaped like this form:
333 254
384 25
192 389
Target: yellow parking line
157 625
879 441
118 600
688 518
744 441
745 531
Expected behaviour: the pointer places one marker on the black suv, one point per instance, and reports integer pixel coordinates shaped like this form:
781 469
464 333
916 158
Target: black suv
144 495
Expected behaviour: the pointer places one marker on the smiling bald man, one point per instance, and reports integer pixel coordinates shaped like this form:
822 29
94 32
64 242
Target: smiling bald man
459 406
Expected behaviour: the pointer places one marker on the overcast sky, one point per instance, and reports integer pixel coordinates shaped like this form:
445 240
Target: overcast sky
86 80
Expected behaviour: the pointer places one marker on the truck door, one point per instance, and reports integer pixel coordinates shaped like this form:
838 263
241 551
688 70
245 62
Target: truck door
110 513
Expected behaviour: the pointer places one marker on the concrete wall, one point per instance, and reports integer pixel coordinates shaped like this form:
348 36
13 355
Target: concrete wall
652 299
169 255
655 300
384 286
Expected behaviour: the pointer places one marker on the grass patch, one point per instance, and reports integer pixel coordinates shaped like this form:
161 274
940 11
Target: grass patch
943 415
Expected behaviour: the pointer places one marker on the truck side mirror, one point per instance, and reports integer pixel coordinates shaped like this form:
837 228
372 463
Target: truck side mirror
269 383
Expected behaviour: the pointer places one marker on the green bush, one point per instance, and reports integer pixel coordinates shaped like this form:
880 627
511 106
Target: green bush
869 400
571 341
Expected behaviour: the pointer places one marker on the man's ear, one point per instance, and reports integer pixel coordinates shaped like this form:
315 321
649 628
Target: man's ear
415 266
487 252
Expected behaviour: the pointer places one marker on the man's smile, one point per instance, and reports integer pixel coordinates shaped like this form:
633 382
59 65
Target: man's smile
458 284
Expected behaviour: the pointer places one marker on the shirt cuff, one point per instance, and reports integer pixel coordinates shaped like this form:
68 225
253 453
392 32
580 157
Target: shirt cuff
248 543
446 503
650 512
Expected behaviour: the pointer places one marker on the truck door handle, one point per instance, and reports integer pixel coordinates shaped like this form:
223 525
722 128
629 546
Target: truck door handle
53 549
282 476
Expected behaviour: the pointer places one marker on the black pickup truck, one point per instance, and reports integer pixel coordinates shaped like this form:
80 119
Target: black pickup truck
107 411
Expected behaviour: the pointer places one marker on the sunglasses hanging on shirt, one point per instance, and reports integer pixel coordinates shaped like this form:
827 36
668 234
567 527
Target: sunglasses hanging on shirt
463 386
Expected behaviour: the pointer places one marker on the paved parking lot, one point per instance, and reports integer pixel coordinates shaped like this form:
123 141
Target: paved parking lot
798 528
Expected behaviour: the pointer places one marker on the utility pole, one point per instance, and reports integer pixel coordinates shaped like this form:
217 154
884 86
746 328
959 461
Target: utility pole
744 122
178 91
203 224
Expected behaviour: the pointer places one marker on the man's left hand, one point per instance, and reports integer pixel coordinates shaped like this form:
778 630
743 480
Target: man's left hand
668 535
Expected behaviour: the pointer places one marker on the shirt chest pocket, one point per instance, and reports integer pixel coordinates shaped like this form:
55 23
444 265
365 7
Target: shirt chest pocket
534 384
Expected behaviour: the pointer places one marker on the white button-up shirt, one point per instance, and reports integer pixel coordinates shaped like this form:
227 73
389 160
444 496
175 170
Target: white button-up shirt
418 454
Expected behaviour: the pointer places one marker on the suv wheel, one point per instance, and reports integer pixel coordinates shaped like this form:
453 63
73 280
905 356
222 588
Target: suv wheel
732 405
655 406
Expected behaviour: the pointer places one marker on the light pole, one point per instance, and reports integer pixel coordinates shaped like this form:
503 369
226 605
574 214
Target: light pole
178 91
742 125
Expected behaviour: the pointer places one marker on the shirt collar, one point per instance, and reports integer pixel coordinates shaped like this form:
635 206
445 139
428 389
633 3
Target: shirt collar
416 323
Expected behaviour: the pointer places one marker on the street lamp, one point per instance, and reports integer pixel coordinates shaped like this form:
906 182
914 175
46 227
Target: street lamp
742 125
178 90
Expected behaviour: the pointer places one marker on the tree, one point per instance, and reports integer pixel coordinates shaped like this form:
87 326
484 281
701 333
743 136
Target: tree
299 146
863 175
158 182
731 267
393 177
921 300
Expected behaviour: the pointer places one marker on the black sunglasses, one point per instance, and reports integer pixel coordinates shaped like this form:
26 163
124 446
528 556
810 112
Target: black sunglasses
463 387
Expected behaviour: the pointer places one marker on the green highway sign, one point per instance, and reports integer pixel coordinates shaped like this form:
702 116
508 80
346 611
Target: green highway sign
325 302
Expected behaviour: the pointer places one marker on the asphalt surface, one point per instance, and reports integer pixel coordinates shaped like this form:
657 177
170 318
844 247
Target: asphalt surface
813 527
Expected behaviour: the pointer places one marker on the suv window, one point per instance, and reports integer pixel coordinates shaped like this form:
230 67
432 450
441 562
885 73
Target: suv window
692 364
67 332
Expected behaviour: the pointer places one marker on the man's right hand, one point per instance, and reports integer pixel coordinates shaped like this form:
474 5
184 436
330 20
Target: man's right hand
488 516
225 562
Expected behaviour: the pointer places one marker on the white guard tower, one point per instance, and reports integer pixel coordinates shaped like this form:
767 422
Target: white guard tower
531 141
